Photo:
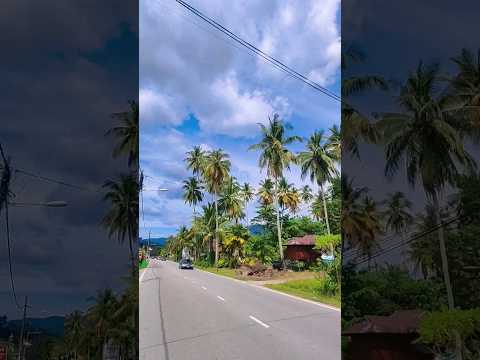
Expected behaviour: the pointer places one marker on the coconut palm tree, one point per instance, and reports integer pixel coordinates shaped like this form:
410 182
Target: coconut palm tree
355 126
319 164
73 331
265 192
464 92
317 208
307 195
275 158
231 201
247 193
372 228
192 192
122 218
425 140
195 161
334 143
353 216
234 241
101 315
126 134
397 213
215 172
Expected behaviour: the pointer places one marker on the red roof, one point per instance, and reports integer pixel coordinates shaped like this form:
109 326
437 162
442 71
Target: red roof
302 240
400 322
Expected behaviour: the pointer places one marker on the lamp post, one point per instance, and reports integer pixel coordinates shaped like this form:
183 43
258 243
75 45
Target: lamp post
57 203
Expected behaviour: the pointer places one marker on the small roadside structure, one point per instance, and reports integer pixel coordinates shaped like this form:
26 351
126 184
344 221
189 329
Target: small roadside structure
387 337
301 248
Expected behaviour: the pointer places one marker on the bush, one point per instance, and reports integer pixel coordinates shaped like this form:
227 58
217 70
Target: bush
329 286
202 263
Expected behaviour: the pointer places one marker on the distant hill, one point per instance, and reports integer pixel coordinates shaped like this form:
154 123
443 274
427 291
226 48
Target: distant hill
52 325
159 241
256 229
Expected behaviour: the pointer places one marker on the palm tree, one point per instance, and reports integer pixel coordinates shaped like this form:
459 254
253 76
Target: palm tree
372 228
195 161
353 216
317 208
234 241
127 134
464 91
422 251
425 139
355 126
275 157
122 218
192 192
231 201
306 194
265 192
101 314
319 164
247 193
216 171
397 215
74 330
334 143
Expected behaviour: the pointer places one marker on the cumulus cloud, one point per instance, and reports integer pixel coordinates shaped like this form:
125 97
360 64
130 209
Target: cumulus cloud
195 69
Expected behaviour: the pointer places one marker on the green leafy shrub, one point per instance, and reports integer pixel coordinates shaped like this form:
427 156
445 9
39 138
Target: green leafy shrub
439 329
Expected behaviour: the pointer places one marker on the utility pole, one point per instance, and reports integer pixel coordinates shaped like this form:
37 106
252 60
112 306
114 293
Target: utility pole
148 250
20 345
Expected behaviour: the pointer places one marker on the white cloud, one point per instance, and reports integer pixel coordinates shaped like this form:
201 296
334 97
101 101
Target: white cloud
240 111
158 107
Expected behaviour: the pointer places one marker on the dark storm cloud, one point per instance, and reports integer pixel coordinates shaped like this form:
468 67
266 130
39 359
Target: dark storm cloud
69 65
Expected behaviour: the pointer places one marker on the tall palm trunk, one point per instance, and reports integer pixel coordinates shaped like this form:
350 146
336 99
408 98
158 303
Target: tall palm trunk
279 230
325 212
216 231
445 271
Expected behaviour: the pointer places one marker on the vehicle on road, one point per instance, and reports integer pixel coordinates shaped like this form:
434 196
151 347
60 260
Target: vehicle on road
185 264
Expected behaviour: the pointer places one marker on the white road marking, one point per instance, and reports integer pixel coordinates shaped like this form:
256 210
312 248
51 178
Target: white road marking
185 277
204 288
221 298
143 274
258 321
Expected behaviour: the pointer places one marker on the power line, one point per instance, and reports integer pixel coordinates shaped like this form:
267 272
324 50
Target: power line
59 182
418 236
278 64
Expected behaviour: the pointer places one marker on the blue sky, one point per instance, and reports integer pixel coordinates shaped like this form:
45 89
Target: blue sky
199 88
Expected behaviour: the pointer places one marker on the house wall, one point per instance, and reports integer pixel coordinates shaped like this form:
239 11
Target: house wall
301 253
384 347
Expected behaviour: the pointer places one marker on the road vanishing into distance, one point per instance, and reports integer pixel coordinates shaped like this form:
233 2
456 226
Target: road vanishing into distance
195 315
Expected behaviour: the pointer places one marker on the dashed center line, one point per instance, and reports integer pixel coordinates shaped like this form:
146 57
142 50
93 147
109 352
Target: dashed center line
204 288
259 322
221 298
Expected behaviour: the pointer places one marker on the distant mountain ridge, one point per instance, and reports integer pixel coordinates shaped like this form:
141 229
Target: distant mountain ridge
52 325
158 241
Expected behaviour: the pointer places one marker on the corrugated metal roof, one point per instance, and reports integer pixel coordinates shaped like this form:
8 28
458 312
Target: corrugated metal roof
302 240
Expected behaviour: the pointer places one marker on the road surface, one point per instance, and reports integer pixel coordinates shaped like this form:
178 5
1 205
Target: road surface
194 315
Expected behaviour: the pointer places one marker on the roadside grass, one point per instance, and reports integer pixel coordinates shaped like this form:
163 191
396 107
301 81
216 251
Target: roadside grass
221 271
308 289
143 264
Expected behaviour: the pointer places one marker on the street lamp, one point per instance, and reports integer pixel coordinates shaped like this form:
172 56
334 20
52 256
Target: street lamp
44 204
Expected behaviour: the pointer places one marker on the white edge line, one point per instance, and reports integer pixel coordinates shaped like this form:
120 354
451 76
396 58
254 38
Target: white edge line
258 321
221 298
143 274
298 298
325 306
204 288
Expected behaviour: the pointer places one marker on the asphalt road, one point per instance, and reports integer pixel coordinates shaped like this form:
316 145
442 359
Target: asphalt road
194 315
